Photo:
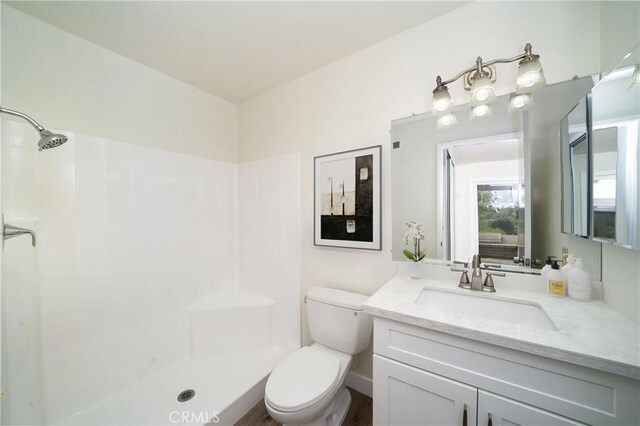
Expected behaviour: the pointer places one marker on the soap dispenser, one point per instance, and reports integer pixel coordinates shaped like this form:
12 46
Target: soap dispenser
555 281
568 267
579 284
547 267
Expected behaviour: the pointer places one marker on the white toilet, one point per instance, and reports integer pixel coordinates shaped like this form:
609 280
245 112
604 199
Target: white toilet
307 387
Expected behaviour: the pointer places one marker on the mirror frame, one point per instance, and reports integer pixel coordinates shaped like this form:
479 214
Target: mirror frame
566 172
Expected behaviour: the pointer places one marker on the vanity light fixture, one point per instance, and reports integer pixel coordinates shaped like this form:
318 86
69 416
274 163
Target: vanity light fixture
442 103
447 120
635 79
480 111
481 89
479 79
519 101
530 75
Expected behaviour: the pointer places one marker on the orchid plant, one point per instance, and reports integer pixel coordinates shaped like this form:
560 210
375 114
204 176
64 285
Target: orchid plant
414 235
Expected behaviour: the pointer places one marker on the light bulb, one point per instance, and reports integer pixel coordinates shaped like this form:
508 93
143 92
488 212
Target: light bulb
447 120
635 79
480 111
519 101
530 75
442 102
481 90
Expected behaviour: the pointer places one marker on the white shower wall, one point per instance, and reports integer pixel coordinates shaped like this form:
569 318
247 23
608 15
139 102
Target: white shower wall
130 239
269 250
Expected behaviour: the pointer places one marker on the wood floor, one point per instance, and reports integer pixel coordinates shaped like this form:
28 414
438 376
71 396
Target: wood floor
360 413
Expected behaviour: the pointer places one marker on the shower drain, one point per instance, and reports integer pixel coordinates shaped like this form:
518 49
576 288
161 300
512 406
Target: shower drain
186 395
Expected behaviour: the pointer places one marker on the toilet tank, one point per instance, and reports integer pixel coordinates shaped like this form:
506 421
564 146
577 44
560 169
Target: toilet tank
336 319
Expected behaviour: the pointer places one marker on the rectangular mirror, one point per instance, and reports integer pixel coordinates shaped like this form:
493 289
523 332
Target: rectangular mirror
615 180
489 186
575 155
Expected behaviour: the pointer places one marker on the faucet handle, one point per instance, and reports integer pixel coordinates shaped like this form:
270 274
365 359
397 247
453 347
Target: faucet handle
464 278
488 281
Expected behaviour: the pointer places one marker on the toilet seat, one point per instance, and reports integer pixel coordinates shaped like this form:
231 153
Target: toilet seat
302 379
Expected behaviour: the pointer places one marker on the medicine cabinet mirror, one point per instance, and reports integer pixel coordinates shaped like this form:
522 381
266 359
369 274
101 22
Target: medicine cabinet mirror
615 179
600 157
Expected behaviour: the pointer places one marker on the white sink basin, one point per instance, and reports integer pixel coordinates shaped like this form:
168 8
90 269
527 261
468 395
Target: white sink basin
445 305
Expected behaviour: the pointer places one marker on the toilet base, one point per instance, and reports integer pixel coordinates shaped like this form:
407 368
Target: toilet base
335 413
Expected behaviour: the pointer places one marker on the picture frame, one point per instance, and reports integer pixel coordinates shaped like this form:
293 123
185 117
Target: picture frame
347 199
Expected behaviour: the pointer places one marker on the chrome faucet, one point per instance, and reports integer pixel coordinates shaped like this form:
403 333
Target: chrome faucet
476 273
476 282
11 231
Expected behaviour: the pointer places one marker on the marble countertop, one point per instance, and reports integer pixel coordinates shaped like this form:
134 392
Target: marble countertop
590 334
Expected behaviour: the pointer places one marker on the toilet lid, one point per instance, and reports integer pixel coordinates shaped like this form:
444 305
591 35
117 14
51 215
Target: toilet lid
302 379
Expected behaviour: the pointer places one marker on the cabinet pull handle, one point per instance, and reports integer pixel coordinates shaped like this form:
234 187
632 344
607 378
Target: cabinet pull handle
490 423
464 416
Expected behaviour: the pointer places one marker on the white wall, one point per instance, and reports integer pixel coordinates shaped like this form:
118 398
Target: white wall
350 103
66 82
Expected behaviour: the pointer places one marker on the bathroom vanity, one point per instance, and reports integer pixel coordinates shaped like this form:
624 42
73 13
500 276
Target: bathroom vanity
445 355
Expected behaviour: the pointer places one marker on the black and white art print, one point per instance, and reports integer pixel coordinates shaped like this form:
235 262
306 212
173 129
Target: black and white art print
347 199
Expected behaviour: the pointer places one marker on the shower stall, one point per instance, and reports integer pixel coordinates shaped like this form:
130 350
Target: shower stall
163 287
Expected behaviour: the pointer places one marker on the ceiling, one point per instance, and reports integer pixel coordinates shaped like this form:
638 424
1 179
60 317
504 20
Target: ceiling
234 49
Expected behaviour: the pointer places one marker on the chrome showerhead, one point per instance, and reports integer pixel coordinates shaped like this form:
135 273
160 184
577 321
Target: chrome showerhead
50 140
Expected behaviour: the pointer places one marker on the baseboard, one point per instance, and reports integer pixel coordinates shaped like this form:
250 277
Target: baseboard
362 384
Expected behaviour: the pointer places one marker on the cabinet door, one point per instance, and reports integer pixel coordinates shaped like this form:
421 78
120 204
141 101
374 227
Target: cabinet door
404 395
495 410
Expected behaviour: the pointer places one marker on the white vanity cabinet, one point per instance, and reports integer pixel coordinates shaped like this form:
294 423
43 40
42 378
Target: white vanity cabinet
404 395
505 411
426 377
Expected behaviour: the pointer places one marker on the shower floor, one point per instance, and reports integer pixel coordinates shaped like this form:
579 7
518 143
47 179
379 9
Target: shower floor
218 383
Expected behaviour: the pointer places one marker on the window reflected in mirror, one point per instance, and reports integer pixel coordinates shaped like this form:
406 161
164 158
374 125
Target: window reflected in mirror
500 236
605 160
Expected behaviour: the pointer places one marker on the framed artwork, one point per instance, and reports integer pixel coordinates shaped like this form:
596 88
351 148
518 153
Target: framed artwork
347 199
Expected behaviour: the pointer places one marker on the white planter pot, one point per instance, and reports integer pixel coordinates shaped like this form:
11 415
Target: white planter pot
416 270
